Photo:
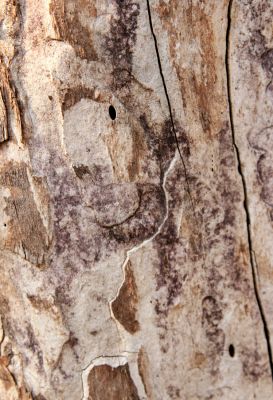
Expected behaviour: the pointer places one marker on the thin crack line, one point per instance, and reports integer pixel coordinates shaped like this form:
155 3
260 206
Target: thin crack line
248 219
169 104
144 243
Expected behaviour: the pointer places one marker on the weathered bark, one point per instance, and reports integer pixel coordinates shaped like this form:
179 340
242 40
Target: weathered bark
136 145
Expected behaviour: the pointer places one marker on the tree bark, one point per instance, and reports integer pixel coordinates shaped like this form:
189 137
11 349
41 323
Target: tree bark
136 146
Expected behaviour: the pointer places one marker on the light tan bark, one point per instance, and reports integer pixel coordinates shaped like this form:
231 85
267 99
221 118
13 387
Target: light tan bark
136 199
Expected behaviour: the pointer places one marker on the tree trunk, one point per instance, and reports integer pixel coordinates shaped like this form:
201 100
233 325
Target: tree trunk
136 199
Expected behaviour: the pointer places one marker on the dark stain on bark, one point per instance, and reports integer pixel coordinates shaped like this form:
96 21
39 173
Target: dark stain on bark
34 346
267 62
81 170
254 366
39 397
144 223
174 392
212 316
225 229
262 144
120 42
162 143
169 266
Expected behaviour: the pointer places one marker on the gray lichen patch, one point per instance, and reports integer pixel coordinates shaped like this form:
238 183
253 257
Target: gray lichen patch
262 144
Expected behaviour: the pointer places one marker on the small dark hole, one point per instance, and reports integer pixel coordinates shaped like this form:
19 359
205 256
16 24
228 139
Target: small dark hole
231 350
112 113
5 224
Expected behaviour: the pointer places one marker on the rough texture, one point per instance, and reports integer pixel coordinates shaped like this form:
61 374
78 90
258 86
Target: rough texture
136 195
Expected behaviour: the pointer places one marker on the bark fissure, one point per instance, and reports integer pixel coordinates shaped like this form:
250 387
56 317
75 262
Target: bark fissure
254 266
169 103
145 242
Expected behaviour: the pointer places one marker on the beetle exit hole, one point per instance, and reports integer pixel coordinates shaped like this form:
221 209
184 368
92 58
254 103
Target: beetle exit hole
231 350
112 113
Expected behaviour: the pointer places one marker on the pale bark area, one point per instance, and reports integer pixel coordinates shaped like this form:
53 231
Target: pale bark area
136 252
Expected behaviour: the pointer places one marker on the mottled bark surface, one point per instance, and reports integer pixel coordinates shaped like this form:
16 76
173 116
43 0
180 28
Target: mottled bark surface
136 192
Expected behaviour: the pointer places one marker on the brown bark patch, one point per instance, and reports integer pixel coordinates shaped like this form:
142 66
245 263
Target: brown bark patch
107 383
3 120
5 377
70 26
74 95
9 108
124 307
138 153
199 89
9 386
143 369
26 234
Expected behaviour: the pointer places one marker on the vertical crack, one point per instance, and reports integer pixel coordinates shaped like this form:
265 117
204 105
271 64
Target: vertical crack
169 104
244 185
145 242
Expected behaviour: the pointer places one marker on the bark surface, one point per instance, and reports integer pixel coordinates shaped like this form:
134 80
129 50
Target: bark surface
136 193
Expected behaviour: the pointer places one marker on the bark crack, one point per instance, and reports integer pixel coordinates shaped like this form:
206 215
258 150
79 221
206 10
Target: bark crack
142 244
254 266
169 103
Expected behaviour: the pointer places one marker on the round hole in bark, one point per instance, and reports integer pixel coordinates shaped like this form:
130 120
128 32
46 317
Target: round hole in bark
231 350
112 112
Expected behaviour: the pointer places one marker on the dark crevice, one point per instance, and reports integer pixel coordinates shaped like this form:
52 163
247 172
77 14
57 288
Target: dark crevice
245 203
169 104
